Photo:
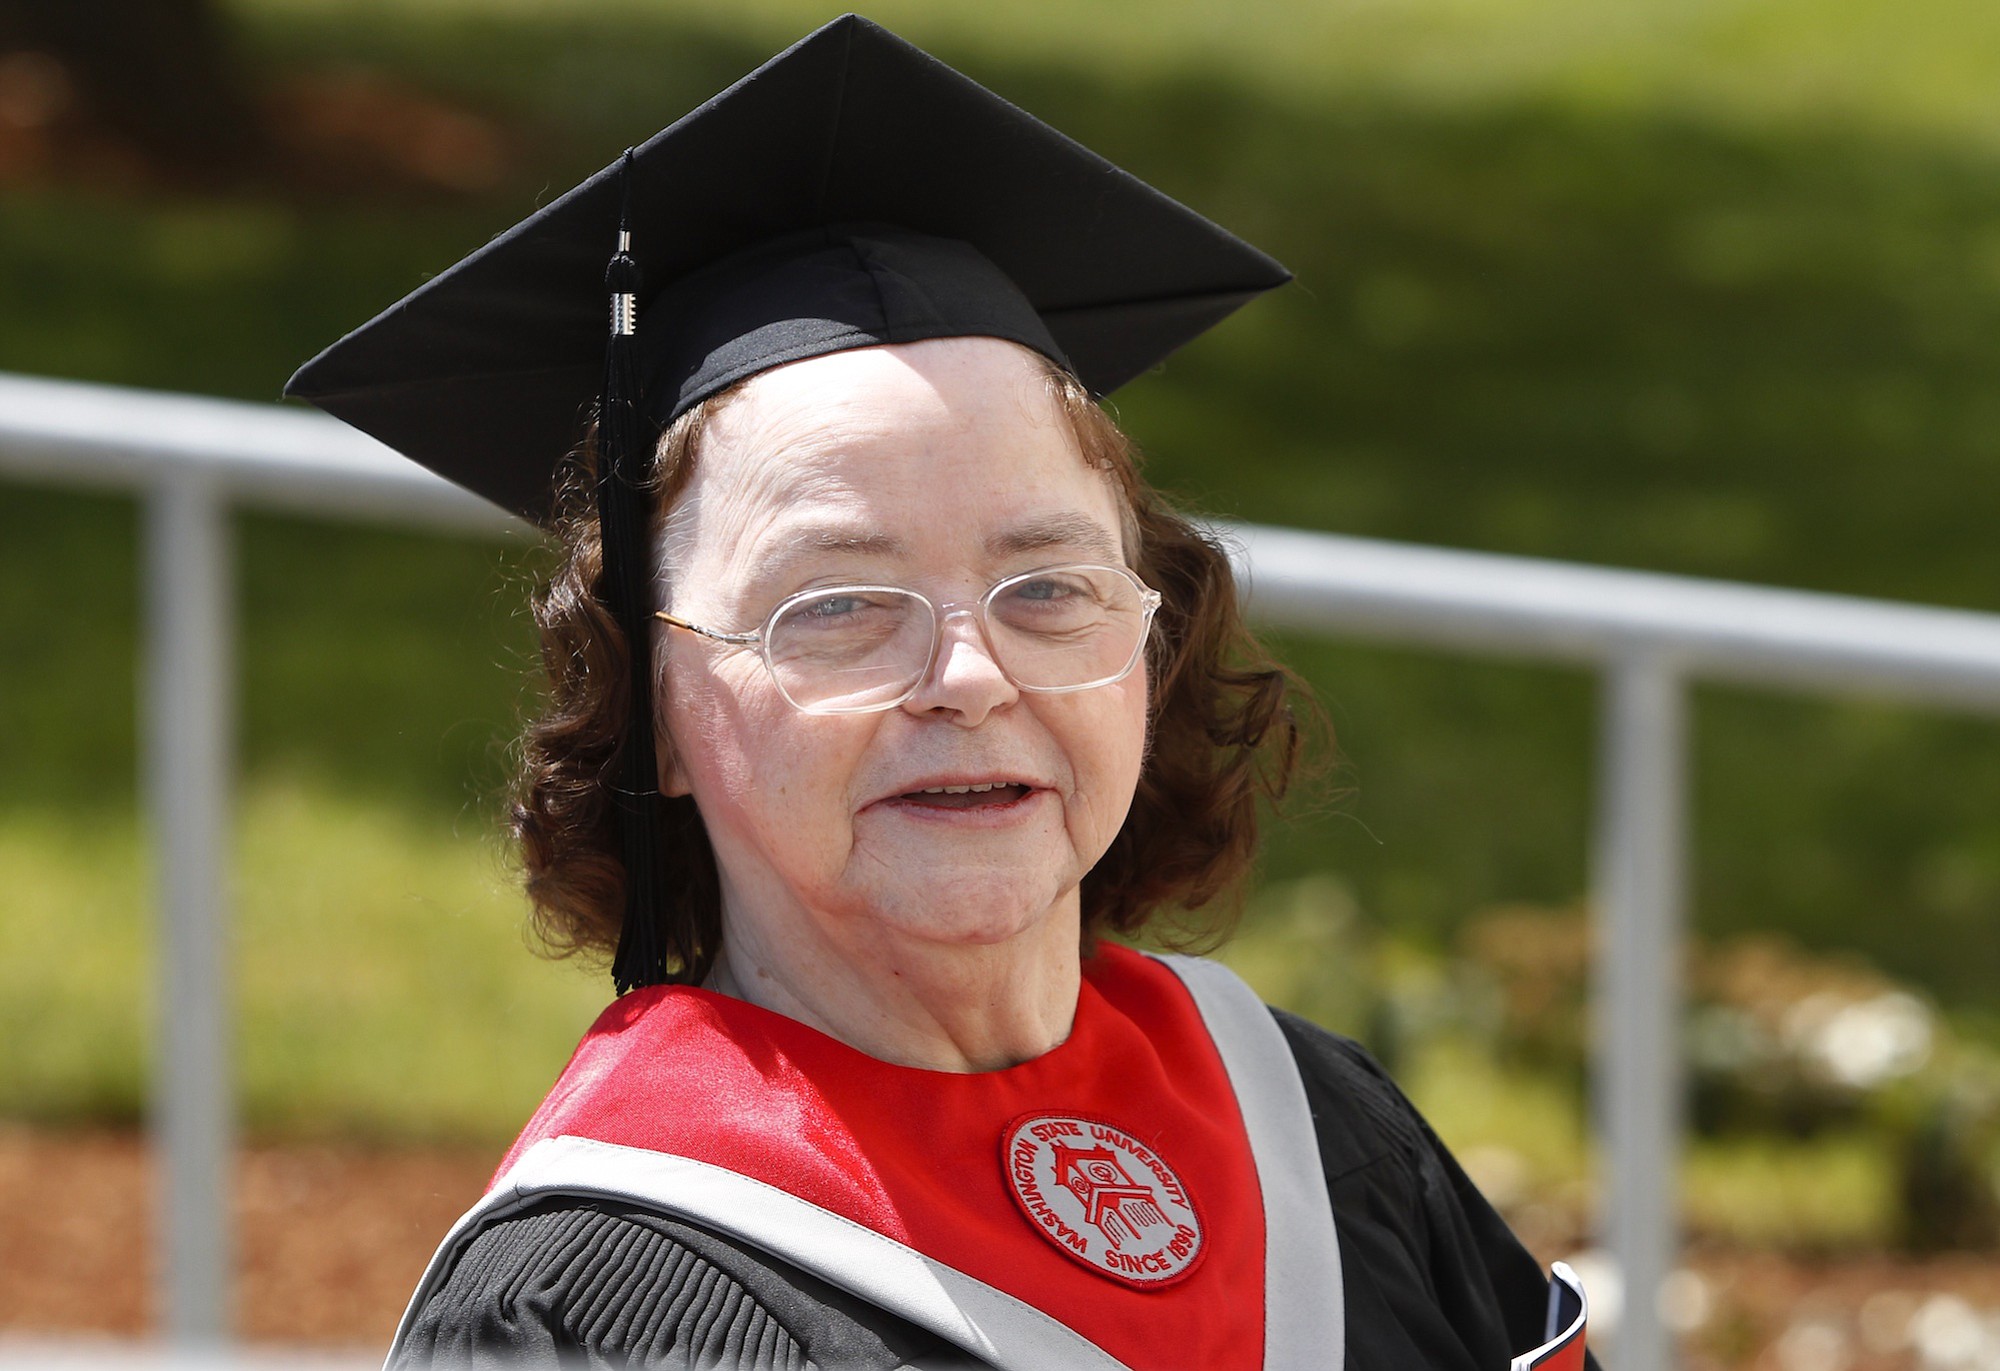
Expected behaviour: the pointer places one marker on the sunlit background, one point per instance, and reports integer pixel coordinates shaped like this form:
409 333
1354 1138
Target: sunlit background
1703 286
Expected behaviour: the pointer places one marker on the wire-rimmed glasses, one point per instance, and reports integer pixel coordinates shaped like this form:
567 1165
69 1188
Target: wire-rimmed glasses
855 649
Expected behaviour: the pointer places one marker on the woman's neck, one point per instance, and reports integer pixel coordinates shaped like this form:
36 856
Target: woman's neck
940 1007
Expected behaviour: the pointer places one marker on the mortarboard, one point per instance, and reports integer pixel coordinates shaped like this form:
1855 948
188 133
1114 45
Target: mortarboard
851 191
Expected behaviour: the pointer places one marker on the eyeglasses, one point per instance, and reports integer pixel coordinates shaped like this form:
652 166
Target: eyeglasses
857 649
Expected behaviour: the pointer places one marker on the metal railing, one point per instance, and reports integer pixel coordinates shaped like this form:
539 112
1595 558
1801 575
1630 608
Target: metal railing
1648 636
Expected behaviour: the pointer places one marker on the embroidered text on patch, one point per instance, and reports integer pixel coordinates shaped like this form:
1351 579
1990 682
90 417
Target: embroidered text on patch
1103 1197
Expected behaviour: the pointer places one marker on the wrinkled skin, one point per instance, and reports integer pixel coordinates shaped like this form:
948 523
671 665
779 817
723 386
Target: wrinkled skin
939 934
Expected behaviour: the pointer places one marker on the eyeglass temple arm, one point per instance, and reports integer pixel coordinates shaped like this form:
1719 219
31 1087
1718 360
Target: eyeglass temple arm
716 634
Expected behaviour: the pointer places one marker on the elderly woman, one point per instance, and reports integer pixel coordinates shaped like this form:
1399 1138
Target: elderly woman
882 689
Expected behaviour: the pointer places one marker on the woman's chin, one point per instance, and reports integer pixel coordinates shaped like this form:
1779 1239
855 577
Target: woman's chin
971 913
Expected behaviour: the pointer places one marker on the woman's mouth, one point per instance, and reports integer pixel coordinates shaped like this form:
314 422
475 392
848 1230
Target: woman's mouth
990 794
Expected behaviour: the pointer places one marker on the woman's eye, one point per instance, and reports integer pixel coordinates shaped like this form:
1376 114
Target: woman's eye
831 607
1044 588
844 609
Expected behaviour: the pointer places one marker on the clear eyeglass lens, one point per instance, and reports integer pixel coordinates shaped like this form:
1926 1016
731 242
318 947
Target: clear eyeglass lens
851 648
1066 628
848 648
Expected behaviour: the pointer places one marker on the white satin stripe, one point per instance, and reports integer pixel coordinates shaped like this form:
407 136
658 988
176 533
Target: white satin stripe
1304 1312
988 1323
1305 1322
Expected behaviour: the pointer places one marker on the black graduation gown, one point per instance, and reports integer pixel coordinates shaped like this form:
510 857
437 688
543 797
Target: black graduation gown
1433 1279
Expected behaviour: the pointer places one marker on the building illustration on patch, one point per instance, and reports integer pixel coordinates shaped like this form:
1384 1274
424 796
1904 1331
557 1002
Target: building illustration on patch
1102 1197
1123 1209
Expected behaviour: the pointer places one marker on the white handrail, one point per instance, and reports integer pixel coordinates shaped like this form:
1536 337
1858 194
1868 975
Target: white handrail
270 456
1531 607
1647 634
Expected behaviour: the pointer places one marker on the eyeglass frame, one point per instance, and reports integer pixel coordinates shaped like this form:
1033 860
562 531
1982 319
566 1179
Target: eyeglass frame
1150 601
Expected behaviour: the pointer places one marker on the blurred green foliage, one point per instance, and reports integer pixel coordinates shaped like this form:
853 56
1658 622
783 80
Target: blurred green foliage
1699 286
384 990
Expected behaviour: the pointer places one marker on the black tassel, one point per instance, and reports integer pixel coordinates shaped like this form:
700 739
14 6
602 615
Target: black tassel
622 458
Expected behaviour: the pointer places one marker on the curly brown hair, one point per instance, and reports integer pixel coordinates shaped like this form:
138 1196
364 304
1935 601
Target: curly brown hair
1223 730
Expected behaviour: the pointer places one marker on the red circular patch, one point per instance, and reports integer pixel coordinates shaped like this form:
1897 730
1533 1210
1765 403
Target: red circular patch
1103 1197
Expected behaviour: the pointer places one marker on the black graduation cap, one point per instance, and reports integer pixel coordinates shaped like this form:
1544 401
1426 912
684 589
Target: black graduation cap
486 373
851 191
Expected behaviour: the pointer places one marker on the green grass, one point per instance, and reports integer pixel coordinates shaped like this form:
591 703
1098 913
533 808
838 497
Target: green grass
75 945
1821 1194
384 989
1908 66
1710 287
475 1030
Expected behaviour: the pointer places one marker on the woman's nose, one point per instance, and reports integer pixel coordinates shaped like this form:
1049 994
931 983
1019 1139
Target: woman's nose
965 679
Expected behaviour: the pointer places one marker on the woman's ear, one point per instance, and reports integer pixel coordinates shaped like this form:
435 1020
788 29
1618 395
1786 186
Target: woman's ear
671 777
673 781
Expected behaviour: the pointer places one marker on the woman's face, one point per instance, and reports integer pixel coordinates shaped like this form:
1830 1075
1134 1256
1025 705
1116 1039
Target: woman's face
939 466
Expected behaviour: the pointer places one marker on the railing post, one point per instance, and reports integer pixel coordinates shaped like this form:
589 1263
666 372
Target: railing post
187 727
1635 1001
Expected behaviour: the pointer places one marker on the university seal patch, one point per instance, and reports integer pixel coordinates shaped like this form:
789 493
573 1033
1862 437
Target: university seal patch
1103 1197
